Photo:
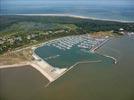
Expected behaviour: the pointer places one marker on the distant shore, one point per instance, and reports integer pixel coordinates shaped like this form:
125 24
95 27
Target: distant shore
74 16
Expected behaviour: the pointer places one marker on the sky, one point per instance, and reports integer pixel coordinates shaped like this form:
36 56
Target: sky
37 2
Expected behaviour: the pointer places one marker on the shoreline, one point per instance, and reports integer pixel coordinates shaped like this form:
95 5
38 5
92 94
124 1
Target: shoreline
73 16
97 47
52 73
94 50
71 67
14 65
34 65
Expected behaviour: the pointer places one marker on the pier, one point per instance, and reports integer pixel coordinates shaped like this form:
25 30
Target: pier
45 69
93 49
51 72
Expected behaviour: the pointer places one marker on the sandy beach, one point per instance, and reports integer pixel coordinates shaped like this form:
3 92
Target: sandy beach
74 16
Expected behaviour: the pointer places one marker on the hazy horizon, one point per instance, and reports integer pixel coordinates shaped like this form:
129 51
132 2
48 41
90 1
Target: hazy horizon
106 9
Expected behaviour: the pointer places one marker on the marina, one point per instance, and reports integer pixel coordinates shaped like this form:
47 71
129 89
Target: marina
62 54
80 81
81 41
67 50
56 57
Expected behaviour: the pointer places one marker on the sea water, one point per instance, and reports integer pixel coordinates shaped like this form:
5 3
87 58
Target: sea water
106 9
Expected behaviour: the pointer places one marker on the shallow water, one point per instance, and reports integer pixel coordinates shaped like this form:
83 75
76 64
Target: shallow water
20 83
91 81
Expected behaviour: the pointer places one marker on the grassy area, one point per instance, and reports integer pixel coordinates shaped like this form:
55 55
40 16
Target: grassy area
9 58
103 34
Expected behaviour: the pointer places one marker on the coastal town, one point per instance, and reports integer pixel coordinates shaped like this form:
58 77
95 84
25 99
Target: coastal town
52 72
83 42
66 49
8 43
20 48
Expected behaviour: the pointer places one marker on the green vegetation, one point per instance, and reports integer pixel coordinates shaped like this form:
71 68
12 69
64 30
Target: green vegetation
34 27
17 31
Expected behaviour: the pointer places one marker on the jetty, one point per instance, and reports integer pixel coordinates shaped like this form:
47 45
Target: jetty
93 49
46 70
52 73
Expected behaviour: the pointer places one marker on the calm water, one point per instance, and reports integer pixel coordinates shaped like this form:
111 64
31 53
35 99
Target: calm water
107 9
69 57
93 81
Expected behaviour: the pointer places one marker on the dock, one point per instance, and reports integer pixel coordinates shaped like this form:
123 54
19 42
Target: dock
52 73
93 49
